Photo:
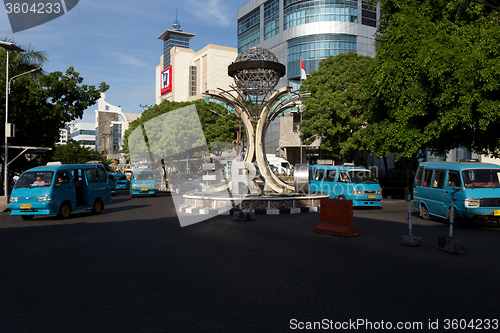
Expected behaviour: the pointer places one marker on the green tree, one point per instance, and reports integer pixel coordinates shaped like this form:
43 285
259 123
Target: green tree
335 111
435 83
74 153
163 141
39 105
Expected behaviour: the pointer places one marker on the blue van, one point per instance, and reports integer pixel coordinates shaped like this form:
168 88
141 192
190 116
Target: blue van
121 181
59 189
473 185
346 182
112 182
142 182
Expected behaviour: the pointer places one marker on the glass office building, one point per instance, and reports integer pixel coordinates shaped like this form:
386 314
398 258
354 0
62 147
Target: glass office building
311 30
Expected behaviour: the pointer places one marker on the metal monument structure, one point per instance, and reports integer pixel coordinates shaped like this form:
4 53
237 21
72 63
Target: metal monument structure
256 73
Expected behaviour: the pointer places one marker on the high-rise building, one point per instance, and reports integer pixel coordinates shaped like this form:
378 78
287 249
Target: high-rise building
110 125
311 30
183 74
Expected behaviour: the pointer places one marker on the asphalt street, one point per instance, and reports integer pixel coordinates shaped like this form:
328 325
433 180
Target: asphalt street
134 269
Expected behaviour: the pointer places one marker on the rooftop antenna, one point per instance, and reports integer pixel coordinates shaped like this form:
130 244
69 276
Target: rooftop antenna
176 24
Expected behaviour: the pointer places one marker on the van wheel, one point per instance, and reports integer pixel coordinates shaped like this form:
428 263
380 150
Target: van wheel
97 208
64 211
424 213
341 197
27 217
131 195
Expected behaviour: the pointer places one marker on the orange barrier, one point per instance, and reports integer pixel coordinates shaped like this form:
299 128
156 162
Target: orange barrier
336 218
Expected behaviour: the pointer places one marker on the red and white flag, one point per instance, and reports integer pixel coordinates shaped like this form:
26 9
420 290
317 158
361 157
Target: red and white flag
303 74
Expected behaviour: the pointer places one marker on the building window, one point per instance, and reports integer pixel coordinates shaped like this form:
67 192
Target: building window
369 14
297 12
249 30
170 42
116 134
82 132
193 79
297 118
271 18
313 49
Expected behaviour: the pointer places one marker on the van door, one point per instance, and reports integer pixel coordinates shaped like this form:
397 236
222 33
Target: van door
315 183
329 183
81 188
64 189
452 180
436 194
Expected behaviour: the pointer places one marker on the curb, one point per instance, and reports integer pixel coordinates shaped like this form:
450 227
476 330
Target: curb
208 211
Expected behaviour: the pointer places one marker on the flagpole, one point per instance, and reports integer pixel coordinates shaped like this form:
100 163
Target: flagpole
300 140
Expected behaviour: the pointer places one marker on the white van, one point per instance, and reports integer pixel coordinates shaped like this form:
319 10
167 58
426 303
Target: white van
282 165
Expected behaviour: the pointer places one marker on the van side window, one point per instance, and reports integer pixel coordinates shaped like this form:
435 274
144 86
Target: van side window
418 178
453 179
344 177
330 175
438 179
101 174
319 174
91 175
427 178
62 177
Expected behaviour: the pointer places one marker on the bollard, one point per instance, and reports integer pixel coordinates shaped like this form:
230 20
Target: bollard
448 243
336 218
410 240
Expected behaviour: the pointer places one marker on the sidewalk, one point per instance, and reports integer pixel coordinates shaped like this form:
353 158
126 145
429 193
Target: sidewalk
4 208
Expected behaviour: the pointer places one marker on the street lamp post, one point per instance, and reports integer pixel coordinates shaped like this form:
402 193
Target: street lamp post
9 47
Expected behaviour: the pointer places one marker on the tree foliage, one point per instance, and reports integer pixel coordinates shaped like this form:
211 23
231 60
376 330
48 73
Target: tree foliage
178 134
40 104
74 153
435 83
335 110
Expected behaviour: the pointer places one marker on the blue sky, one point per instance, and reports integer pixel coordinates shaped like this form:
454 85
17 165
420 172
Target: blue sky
115 41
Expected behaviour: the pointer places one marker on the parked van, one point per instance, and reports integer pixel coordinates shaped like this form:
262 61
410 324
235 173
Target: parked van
281 165
473 185
346 182
59 189
142 182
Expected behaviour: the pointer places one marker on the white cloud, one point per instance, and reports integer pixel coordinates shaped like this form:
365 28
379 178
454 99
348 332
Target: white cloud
214 12
126 59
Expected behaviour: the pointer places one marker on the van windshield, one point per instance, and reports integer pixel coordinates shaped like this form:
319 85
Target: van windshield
144 176
121 177
481 178
362 176
35 179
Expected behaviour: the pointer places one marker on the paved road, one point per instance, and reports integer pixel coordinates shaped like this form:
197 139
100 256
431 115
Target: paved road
134 269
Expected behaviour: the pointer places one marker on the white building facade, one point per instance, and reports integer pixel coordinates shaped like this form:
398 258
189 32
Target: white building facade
85 133
110 126
184 75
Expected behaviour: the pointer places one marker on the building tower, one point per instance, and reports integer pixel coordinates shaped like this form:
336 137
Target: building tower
171 38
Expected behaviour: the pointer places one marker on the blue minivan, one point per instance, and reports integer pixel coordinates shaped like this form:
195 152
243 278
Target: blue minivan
121 181
59 189
474 186
142 182
346 182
